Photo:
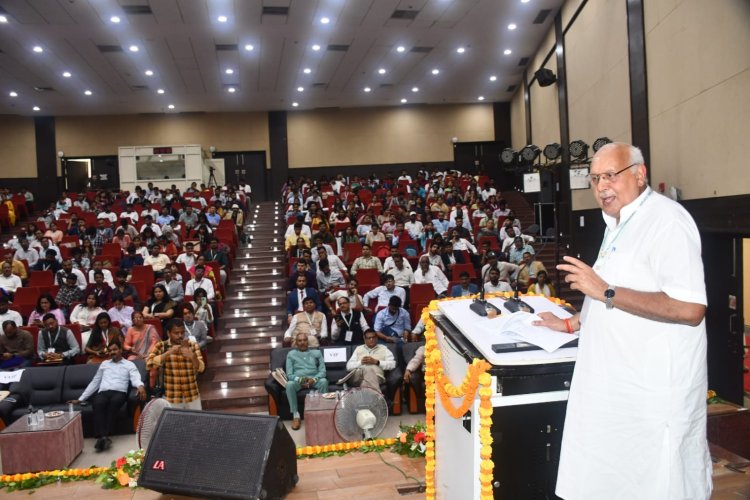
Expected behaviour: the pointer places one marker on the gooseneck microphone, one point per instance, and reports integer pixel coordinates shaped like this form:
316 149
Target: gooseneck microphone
480 306
515 304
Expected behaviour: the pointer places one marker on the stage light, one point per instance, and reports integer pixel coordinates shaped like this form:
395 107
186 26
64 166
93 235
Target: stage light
530 153
552 151
601 142
508 156
578 150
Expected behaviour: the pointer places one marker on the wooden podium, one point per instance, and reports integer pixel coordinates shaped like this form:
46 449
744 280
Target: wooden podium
530 391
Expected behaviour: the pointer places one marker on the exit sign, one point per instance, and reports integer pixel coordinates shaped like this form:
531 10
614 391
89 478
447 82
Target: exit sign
163 151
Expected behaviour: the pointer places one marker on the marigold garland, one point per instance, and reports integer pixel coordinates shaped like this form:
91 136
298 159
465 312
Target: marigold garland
343 448
32 480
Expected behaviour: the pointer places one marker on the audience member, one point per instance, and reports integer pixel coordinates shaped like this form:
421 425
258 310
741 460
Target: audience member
121 313
465 286
384 293
102 334
84 315
16 347
199 281
368 363
140 338
427 273
7 314
174 287
45 304
309 321
348 325
494 285
366 261
160 306
56 344
542 286
195 329
305 369
9 282
393 323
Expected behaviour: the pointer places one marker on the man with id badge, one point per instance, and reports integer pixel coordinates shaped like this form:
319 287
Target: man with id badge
56 343
348 325
309 321
195 329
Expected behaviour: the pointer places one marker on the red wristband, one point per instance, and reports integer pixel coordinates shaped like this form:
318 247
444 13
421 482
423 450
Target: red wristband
568 325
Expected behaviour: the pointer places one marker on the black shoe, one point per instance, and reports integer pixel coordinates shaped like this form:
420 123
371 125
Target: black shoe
107 443
99 446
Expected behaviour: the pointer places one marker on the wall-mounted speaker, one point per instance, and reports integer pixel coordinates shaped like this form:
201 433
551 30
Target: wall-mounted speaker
220 455
545 77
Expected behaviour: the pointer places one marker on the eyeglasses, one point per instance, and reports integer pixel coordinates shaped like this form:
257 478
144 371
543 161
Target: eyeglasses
608 176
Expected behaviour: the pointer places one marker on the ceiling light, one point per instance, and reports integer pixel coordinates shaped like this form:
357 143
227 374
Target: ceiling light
87 92
367 89
231 90
229 71
460 50
524 1
400 48
300 89
114 19
148 72
493 78
507 52
38 49
316 47
324 20
249 47
160 91
381 71
13 93
171 106
133 48
295 104
435 71
3 19
480 98
415 89
307 71
403 101
36 108
222 19
67 74
512 26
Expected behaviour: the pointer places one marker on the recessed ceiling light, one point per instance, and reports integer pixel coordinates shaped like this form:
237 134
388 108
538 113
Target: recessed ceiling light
87 92
67 74
222 19
171 106
435 71
133 48
148 72
507 52
480 98
229 71
249 47
295 104
231 90
324 20
36 108
460 50
307 71
400 48
403 101
381 71
114 19
512 26
415 89
524 1
13 93
160 91
316 47
300 89
3 19
493 78
367 89
38 49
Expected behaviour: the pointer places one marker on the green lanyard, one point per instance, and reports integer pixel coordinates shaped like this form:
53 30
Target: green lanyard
606 248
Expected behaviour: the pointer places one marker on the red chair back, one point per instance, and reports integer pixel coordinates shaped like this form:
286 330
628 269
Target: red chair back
144 274
421 293
459 268
368 277
26 295
41 278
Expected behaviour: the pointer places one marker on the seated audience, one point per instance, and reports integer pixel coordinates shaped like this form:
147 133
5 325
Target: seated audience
48 263
494 285
393 323
348 325
414 372
199 281
465 286
366 261
295 297
309 321
401 271
515 256
213 254
111 387
85 314
99 288
125 289
203 309
368 363
68 293
25 252
195 329
188 256
157 260
384 293
99 266
16 347
506 269
9 282
355 299
132 258
45 304
160 306
529 269
328 279
102 334
542 286
121 313
69 268
427 273
56 344
140 338
174 287
305 369
7 314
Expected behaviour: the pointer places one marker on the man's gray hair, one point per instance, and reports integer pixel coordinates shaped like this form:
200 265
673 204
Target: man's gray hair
635 156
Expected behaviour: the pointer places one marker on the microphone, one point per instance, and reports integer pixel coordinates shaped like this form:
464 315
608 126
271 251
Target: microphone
515 304
480 306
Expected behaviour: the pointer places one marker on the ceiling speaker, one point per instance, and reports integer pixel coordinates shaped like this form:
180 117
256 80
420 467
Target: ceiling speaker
545 77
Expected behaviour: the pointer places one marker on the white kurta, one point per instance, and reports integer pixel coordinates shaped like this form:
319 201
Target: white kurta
635 427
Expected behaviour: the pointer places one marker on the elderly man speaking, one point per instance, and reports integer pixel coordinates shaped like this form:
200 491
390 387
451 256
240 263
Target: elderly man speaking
636 420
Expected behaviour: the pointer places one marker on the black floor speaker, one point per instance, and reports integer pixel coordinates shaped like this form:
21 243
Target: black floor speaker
219 455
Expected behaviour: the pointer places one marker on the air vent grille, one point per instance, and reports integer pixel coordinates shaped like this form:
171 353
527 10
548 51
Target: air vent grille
542 16
319 85
275 11
133 10
337 48
139 87
44 89
226 47
511 88
421 50
385 85
523 61
106 49
404 14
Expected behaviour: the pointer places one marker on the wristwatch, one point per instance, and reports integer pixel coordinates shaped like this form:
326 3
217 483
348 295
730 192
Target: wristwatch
609 294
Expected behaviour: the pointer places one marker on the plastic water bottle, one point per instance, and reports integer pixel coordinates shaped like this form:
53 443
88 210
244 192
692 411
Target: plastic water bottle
40 417
31 419
70 408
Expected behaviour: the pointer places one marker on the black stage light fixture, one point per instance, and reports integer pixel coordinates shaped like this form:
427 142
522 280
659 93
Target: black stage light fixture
508 156
552 151
545 77
530 153
578 150
601 142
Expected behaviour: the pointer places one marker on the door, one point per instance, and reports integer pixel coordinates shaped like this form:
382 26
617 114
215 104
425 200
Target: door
76 173
247 165
722 261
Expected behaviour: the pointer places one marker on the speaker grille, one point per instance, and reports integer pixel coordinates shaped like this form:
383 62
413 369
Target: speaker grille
244 442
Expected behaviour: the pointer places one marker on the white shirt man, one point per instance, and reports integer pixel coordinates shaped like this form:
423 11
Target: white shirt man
31 255
187 258
9 314
204 283
154 213
413 226
401 272
383 294
154 227
109 215
486 193
107 277
9 282
305 231
432 275
132 215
